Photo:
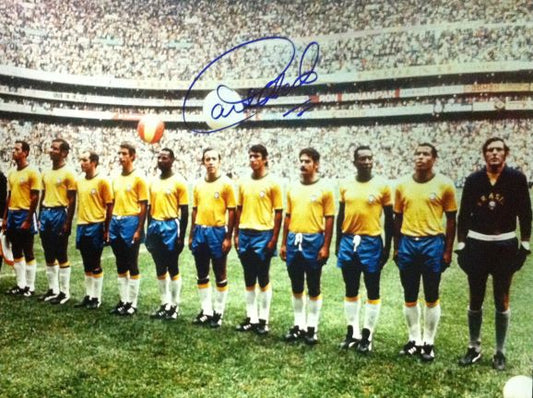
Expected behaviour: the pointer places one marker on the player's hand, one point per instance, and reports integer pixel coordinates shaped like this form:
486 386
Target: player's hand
66 229
323 255
190 243
226 245
136 237
384 257
271 246
26 225
446 260
4 225
462 260
283 252
395 256
106 237
520 257
180 245
236 242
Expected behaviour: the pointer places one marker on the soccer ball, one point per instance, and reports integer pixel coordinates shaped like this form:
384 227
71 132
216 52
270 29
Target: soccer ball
518 387
150 129
222 108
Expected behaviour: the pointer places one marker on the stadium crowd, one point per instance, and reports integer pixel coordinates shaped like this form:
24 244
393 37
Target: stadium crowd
458 144
173 40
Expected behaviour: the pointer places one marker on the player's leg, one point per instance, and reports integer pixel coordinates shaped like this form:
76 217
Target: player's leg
31 263
264 297
19 264
432 312
250 265
296 273
221 291
83 243
132 261
119 249
351 275
160 256
175 285
313 275
60 253
52 267
372 310
201 261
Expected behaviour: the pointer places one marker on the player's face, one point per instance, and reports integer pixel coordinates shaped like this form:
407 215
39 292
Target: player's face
424 159
124 157
211 162
85 162
495 154
308 167
164 161
364 161
257 162
55 151
18 153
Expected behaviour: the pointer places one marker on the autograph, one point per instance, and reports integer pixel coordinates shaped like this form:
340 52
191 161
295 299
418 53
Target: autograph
228 106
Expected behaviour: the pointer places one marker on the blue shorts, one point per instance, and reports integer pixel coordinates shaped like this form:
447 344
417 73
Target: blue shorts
52 220
208 239
256 242
15 218
424 251
306 247
124 227
92 232
166 232
361 250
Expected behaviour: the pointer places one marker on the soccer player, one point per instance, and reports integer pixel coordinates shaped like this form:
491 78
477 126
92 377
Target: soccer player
169 214
58 203
359 245
3 197
422 247
259 213
19 223
126 231
493 198
95 205
307 233
210 236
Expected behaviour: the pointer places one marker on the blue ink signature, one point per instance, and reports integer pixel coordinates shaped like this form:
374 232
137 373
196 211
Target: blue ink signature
257 98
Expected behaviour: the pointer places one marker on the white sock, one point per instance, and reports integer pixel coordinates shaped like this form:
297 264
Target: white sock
251 305
431 321
313 316
89 284
64 280
298 306
175 291
371 315
31 269
352 308
412 316
123 287
164 290
133 291
265 298
204 293
52 274
20 273
221 294
98 283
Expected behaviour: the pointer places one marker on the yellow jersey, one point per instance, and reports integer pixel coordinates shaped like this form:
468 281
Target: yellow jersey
211 200
129 191
307 206
166 196
363 205
423 204
93 196
56 184
259 198
21 182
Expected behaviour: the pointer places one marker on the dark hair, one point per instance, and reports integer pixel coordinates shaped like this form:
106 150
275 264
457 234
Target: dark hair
170 152
130 147
360 148
63 145
25 146
93 157
434 152
494 139
260 148
207 150
311 152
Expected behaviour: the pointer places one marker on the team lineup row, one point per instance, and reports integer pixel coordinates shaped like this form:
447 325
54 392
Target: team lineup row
115 212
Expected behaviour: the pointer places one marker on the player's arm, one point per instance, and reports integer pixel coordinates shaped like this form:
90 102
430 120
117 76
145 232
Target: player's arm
450 236
107 221
71 197
323 253
193 226
226 243
34 201
4 216
143 205
463 220
238 213
184 220
278 216
398 220
389 231
283 248
340 221
524 213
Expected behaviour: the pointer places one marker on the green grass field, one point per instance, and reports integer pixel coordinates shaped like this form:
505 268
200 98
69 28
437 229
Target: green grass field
51 351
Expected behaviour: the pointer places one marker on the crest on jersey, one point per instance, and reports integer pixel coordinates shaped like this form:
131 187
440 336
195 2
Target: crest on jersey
168 191
262 194
371 198
492 205
58 182
432 196
314 197
217 195
93 191
128 187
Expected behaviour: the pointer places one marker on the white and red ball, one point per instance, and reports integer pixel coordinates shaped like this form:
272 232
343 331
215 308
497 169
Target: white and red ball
150 129
222 108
